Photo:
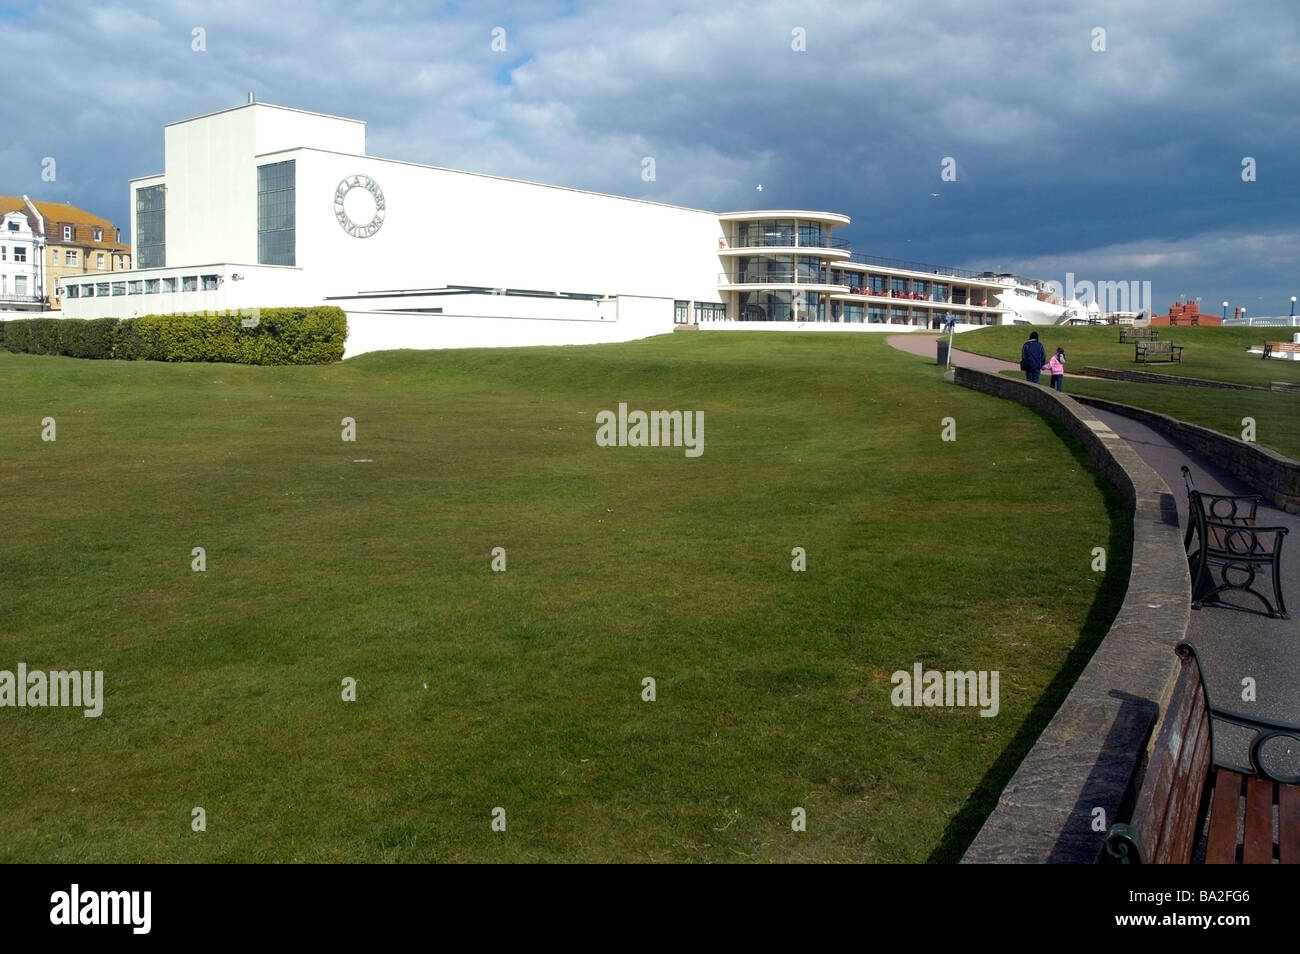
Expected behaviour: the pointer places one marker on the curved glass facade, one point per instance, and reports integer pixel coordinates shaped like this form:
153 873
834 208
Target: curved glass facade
780 305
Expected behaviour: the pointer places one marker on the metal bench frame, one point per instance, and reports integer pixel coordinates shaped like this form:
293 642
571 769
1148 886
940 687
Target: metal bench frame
1227 539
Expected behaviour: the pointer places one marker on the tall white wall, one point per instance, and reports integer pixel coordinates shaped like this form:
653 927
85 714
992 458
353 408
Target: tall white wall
211 175
277 128
444 227
211 189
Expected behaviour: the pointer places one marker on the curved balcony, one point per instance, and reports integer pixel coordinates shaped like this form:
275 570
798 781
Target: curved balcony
832 253
833 219
783 280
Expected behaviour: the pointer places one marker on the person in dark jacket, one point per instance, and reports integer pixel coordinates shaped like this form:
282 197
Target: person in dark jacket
1032 357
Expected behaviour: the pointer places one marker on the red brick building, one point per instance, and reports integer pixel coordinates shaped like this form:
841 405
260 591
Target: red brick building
1186 313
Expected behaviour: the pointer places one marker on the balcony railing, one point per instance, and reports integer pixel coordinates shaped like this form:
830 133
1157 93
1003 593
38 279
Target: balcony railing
963 301
774 278
863 259
784 239
22 299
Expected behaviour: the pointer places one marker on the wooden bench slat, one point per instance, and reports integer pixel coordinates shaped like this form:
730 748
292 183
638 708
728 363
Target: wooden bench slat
1221 844
1288 818
1152 809
1185 795
1257 841
1243 541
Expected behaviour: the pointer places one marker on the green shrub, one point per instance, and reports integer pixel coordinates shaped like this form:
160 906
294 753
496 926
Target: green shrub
313 335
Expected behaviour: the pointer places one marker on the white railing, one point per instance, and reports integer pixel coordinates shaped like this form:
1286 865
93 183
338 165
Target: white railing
1266 322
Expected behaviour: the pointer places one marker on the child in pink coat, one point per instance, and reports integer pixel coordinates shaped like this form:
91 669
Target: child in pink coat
1056 367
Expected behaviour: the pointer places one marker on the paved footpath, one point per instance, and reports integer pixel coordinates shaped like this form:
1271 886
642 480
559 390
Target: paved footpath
1236 639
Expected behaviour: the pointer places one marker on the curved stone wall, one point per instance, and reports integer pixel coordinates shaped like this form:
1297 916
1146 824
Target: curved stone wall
1094 748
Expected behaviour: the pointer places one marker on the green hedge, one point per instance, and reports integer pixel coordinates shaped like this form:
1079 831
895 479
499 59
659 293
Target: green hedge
281 336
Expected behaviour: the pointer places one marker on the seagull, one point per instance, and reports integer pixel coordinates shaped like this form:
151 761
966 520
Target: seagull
760 187
934 194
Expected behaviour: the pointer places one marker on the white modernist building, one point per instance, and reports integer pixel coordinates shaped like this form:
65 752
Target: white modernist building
262 206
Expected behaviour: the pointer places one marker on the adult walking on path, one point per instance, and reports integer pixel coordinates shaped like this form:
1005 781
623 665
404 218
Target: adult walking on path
1032 358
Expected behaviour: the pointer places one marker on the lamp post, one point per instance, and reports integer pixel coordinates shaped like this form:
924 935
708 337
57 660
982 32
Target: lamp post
1293 306
1225 311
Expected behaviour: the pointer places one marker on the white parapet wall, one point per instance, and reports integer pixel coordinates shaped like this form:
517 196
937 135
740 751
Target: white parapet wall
796 326
625 318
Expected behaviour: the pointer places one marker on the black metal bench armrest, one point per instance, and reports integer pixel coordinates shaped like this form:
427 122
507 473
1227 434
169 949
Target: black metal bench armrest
1265 730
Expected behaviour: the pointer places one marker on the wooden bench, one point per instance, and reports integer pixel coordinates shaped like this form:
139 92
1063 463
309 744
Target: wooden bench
1145 351
1127 334
1280 347
1229 540
1186 791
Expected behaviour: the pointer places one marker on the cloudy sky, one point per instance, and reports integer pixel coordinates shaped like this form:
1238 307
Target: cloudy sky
1115 155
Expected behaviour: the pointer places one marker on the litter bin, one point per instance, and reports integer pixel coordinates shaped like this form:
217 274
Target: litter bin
943 352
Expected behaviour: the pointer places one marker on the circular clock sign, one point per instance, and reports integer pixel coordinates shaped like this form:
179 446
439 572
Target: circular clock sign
359 206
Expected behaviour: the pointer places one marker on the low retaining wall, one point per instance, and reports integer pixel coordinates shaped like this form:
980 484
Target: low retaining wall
1150 377
1094 748
1271 474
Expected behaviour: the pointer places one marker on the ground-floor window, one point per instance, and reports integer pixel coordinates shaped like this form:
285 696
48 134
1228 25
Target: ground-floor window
781 305
853 314
709 311
680 312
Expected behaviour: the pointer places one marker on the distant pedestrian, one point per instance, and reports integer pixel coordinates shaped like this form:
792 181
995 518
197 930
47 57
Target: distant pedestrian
1056 367
1032 358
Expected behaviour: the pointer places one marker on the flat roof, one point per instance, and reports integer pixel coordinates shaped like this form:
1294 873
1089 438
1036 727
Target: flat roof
784 214
288 109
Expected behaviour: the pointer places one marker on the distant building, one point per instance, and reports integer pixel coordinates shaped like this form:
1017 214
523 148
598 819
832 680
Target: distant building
65 241
1186 313
20 260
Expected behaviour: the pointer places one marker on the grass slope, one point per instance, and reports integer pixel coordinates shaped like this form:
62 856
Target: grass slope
1215 353
1276 414
224 687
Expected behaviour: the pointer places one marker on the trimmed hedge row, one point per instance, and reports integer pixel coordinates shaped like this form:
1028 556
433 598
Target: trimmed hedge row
281 336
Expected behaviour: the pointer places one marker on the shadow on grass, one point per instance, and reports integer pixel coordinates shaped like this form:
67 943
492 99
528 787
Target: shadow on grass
965 825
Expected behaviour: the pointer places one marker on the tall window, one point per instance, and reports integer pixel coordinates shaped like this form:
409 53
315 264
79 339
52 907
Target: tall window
67 233
70 258
99 235
99 260
276 243
810 233
150 227
20 284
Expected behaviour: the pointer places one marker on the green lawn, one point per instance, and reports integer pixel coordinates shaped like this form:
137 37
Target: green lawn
1276 414
1215 353
523 689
